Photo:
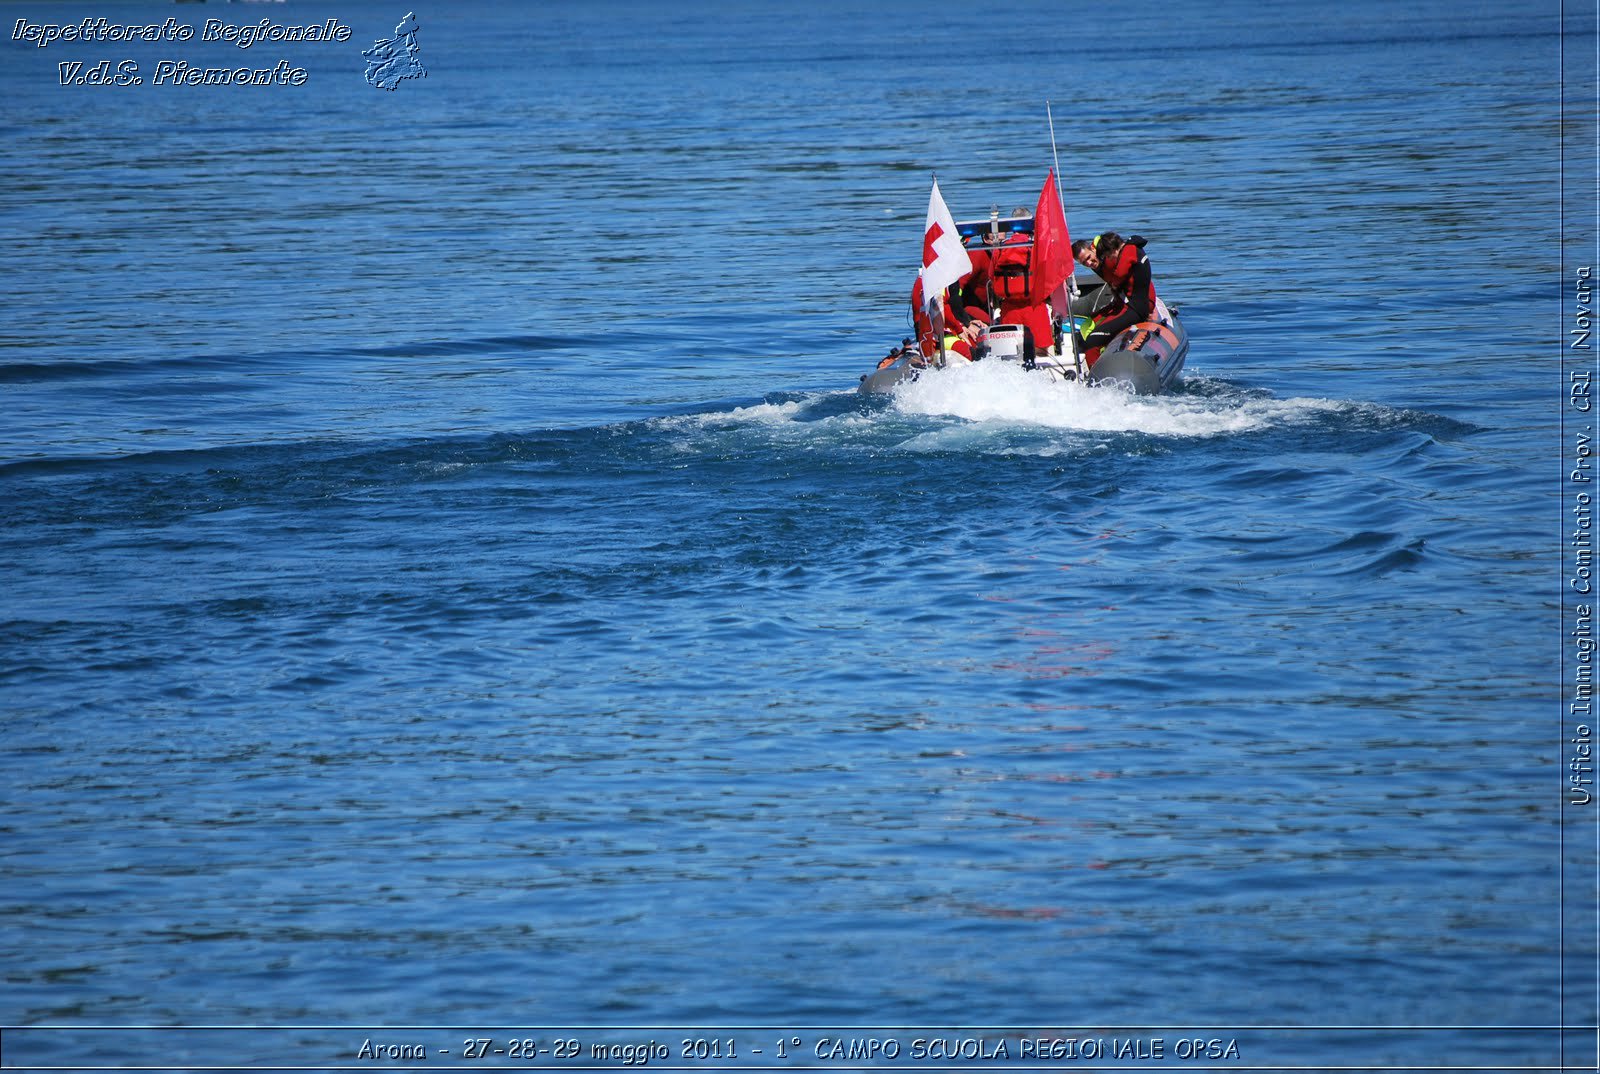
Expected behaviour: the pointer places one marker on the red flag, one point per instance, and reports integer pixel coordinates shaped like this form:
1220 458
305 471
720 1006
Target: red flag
1052 246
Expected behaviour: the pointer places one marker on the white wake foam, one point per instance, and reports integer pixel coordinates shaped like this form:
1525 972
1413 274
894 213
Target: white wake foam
1005 394
989 407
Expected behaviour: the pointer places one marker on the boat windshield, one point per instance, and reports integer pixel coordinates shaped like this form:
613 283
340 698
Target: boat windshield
977 234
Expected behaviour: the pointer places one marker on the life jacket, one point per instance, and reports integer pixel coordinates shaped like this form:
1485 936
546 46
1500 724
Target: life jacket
1010 272
1118 273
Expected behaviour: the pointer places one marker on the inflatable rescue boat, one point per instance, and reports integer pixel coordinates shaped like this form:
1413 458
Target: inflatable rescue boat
1145 359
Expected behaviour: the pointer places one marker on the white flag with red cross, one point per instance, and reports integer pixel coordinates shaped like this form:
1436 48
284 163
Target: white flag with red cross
944 259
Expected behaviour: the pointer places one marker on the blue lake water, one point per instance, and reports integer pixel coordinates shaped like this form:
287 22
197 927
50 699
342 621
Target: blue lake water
450 579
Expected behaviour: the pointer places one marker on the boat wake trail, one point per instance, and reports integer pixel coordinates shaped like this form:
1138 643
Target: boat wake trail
998 409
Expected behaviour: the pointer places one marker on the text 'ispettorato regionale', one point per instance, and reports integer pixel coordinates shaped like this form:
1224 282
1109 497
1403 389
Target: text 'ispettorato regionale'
172 72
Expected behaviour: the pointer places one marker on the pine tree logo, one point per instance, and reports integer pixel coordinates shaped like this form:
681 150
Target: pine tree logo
392 60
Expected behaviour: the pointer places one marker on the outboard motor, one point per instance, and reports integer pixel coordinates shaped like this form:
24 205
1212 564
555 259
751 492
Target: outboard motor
1009 342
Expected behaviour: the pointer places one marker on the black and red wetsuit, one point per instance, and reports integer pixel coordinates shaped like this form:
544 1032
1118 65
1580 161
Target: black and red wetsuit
971 299
1128 277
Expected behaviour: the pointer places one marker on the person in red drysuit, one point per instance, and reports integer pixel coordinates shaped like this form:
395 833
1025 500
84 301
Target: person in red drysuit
1011 279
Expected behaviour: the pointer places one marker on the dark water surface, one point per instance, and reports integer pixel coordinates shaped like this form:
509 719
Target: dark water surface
450 579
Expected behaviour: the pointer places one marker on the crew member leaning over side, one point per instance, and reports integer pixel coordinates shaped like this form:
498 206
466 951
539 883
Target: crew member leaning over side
1126 270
